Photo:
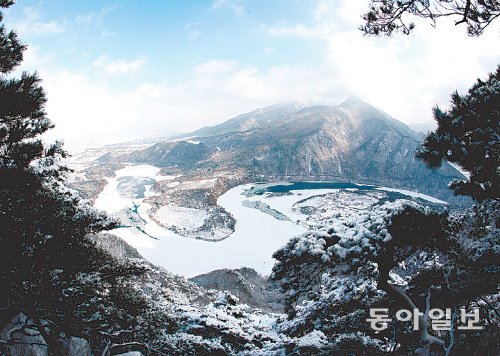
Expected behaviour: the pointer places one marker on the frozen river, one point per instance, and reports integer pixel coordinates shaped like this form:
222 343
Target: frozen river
256 238
257 234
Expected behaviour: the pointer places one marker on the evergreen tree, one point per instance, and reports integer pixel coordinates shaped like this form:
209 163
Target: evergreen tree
402 255
51 273
468 134
399 255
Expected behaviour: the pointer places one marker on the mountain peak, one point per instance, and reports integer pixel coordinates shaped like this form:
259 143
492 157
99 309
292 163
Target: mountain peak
353 100
364 111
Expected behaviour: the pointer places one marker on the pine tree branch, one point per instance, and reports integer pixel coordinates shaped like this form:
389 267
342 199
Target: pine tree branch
466 13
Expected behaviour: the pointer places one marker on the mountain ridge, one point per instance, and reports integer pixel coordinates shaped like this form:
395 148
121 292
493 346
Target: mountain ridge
353 141
245 121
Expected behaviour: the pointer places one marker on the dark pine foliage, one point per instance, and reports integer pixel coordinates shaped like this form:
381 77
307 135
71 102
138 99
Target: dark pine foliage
468 134
50 271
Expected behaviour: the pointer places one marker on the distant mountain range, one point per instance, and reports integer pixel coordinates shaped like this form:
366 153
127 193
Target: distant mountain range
350 142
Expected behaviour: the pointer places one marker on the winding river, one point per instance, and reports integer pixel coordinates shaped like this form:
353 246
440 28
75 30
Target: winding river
257 234
256 238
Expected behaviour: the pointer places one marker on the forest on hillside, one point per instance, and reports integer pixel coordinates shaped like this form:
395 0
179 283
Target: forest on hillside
401 278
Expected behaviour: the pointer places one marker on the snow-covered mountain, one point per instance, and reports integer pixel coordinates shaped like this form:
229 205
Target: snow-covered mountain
350 142
252 120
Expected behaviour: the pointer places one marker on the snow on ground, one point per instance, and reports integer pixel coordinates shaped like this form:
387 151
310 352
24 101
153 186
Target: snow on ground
318 208
110 198
320 211
256 238
284 203
180 217
465 173
171 184
193 142
257 234
197 184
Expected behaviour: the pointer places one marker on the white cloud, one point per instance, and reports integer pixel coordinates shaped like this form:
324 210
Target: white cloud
33 59
33 24
404 75
119 66
268 50
87 112
237 8
94 17
214 67
299 30
105 33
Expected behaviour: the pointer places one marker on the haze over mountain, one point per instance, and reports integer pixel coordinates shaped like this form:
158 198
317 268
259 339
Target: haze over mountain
423 127
350 142
248 121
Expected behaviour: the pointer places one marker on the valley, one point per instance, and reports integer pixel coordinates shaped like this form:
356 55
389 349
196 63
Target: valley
229 196
200 178
252 229
244 227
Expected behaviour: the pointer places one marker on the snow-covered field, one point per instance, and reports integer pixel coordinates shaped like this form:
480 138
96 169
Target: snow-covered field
316 209
181 217
258 234
198 184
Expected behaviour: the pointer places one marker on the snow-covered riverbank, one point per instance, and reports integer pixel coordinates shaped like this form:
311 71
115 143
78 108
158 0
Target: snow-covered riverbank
256 238
258 233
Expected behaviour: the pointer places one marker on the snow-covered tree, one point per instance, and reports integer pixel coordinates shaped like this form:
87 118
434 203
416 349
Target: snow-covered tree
397 256
52 276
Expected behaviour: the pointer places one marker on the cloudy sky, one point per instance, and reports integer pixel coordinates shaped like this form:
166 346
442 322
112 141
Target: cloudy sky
125 69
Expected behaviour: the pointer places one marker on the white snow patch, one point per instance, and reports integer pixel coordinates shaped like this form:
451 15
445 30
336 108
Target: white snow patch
171 184
465 173
193 142
315 338
197 184
413 194
180 217
110 199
